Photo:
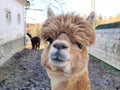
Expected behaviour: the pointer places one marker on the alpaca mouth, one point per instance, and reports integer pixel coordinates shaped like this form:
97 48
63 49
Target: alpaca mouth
59 56
57 61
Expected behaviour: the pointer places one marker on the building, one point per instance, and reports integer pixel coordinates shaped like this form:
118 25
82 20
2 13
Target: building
12 27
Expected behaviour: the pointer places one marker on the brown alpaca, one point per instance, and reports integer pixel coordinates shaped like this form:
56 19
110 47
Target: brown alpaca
66 58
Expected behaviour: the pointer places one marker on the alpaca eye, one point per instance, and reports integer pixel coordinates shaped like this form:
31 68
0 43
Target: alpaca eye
50 40
79 46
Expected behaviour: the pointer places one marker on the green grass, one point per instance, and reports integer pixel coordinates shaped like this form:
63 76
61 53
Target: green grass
113 70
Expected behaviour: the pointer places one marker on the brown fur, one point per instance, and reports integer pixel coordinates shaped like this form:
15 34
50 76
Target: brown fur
72 29
78 29
78 76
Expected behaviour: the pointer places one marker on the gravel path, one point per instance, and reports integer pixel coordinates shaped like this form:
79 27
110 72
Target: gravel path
24 72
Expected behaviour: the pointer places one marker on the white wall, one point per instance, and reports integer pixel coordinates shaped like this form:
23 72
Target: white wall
13 30
11 33
107 47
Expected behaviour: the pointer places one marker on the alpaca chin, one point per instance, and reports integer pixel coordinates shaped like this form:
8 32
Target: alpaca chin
58 64
66 67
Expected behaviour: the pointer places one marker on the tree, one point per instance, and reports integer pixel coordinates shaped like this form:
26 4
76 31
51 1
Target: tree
38 8
42 5
100 17
37 29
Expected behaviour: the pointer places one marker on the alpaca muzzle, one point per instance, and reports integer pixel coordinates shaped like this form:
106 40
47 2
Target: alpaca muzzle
59 53
60 46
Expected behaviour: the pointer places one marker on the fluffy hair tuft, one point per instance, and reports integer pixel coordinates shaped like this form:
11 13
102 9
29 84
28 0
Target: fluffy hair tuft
78 29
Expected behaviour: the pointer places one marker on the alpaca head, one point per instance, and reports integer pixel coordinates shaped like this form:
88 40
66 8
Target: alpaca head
69 36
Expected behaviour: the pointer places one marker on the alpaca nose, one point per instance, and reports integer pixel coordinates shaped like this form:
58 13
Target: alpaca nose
60 46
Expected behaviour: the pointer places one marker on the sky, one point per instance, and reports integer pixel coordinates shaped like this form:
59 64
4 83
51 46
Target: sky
106 8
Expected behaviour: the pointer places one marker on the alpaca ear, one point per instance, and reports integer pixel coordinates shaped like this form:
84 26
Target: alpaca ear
50 13
91 18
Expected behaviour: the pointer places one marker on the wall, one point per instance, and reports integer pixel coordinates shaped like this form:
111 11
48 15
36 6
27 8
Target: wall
7 50
107 47
11 33
11 30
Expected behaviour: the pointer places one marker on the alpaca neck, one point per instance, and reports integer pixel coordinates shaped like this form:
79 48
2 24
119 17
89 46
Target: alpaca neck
78 82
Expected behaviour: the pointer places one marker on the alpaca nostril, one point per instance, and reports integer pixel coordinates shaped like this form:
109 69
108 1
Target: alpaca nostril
64 47
60 46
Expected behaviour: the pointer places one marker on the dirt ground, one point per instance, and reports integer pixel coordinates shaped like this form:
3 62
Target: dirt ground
24 72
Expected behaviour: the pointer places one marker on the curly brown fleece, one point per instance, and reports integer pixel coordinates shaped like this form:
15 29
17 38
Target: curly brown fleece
79 30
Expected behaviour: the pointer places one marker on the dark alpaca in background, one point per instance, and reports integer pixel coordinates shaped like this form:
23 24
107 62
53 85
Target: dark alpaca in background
35 41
